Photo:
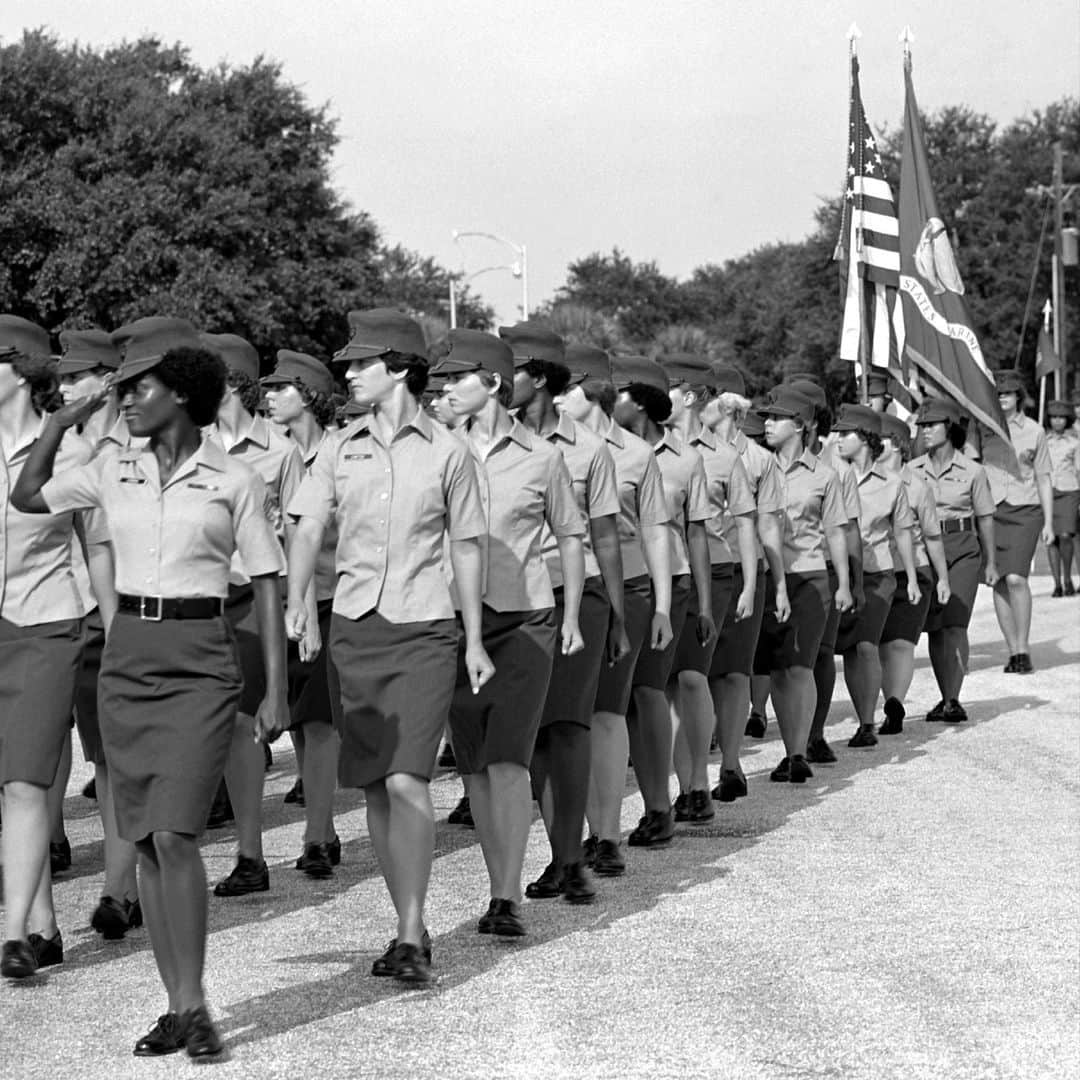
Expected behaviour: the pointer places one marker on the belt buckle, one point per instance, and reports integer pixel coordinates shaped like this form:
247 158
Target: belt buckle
143 614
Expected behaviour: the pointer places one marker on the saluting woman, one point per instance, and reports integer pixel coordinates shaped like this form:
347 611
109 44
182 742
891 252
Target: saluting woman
41 640
176 511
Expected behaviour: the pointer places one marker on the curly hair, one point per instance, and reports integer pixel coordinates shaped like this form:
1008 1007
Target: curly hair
40 375
655 402
556 376
601 392
197 375
322 408
247 388
873 442
416 370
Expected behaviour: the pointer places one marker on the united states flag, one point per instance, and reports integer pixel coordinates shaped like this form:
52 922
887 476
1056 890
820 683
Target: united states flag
868 251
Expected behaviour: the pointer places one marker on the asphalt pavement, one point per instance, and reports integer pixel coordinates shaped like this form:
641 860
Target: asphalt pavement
910 912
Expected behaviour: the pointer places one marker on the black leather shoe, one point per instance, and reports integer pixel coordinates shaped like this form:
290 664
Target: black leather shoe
820 752
954 713
1070 588
295 794
165 1037
221 811
268 757
863 737
732 786
446 759
385 964
577 886
1024 666
201 1038
894 717
315 862
936 714
1058 591
589 849
248 876
487 920
656 828
60 857
798 771
701 808
782 773
112 919
548 885
333 849
17 960
411 964
1010 668
755 725
682 806
462 814
506 920
609 861
89 790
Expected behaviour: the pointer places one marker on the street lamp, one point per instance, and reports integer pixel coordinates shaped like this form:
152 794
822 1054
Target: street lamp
520 268
514 269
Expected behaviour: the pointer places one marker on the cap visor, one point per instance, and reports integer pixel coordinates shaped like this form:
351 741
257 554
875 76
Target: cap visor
359 352
134 368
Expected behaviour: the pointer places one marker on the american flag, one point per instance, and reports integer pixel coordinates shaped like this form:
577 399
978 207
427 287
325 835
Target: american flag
868 251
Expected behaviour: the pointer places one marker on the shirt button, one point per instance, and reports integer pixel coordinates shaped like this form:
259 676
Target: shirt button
384 495
379 549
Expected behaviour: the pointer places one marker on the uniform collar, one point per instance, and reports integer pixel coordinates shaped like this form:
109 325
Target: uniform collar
521 435
209 453
740 441
614 435
565 429
421 423
874 470
119 434
1019 420
705 437
669 440
805 458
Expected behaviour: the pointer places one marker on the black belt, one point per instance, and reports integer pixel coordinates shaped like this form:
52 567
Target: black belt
951 525
156 608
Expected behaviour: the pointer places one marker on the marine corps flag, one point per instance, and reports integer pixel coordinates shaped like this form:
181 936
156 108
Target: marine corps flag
940 339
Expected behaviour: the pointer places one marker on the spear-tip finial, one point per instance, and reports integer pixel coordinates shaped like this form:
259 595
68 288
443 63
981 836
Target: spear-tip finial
907 39
1047 311
853 35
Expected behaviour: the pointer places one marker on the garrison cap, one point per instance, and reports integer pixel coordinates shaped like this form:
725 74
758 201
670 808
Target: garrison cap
729 380
877 381
892 427
811 390
531 341
144 343
1009 381
85 350
237 352
297 367
937 411
379 331
1059 408
19 335
587 362
687 369
753 425
627 370
857 418
465 351
787 403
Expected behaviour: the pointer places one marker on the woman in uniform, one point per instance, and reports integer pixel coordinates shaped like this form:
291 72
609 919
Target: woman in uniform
396 485
965 510
814 521
176 511
525 487
1064 449
41 633
885 516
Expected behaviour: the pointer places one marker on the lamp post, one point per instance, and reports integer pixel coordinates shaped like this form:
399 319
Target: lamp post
520 268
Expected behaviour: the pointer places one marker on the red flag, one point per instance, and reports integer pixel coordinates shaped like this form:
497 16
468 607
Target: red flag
1047 360
940 339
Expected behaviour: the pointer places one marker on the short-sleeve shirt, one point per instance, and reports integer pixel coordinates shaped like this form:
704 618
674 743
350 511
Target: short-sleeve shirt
38 578
177 540
686 492
642 503
728 489
960 490
592 475
926 525
392 505
326 562
524 485
1064 451
884 505
813 504
849 485
1033 458
765 485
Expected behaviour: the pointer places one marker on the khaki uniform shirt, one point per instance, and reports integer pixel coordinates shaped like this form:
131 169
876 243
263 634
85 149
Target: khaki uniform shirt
884 504
686 491
812 505
1064 451
1029 442
641 495
960 490
765 486
729 492
926 525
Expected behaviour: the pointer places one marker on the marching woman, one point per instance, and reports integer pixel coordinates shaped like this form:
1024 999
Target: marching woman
642 408
693 392
1025 507
733 659
525 487
176 510
814 522
646 562
965 510
41 633
1064 449
905 620
397 485
560 764
885 522
298 396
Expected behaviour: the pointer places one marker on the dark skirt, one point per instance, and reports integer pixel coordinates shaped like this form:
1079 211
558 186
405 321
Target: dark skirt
690 655
832 616
963 555
500 723
1016 535
240 611
905 621
653 668
309 687
394 682
38 671
614 688
572 690
737 643
86 690
167 699
867 623
794 643
1066 508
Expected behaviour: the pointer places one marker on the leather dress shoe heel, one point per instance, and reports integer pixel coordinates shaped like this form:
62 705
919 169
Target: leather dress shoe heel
333 849
609 861
486 921
295 794
682 806
755 725
47 951
548 885
1058 591
732 786
577 885
315 862
506 920
894 717
819 751
798 771
112 919
936 714
60 857
701 808
864 737
589 849
248 876
165 1037
954 713
17 960
385 964
201 1038
782 773
1070 588
1024 666
1010 668
411 964
656 828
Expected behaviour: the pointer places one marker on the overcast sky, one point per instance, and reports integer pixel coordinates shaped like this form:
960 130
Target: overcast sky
685 131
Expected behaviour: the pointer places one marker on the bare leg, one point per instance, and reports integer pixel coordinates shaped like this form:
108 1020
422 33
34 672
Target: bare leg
607 778
183 896
897 668
25 846
731 703
540 780
1005 617
120 856
1020 604
824 686
697 721
760 688
57 790
1065 547
319 773
862 674
503 794
949 659
1053 555
650 747
244 774
154 917
298 737
569 786
793 696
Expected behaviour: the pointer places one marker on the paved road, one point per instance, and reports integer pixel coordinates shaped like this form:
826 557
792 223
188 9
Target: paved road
911 912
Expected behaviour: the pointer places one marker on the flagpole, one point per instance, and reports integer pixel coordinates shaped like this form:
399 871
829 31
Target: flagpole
853 35
1047 308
